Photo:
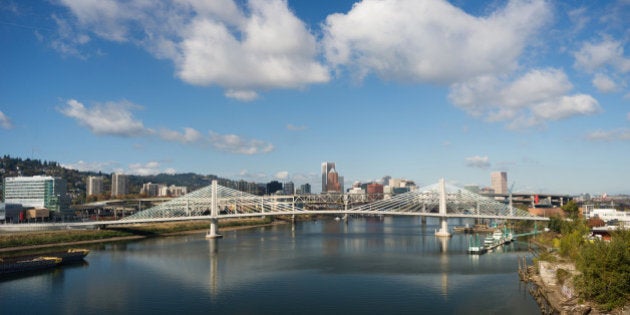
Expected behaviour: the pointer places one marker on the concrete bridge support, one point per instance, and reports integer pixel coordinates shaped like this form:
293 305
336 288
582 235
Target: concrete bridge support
214 213
443 231
214 228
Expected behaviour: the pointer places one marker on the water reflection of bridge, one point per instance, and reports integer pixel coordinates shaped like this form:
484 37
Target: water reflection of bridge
439 200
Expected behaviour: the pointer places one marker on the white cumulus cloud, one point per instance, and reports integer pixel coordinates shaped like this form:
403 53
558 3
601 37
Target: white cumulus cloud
236 144
111 118
188 136
242 95
149 168
605 53
242 47
604 83
478 161
431 41
116 119
538 96
5 122
282 175
84 166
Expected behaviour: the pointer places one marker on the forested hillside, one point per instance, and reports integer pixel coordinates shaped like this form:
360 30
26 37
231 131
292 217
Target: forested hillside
11 166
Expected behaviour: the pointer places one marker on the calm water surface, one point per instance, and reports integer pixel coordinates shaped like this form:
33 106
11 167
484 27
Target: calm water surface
368 266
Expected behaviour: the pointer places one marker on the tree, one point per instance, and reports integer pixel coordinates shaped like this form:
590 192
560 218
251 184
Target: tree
555 223
571 209
595 222
605 271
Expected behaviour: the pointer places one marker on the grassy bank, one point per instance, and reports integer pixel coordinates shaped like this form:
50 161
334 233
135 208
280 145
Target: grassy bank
26 239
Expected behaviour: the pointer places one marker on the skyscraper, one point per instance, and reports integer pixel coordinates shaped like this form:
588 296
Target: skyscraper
499 182
119 184
332 182
305 188
289 188
326 167
94 185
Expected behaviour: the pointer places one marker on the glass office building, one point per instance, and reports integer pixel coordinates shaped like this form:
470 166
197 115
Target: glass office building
37 192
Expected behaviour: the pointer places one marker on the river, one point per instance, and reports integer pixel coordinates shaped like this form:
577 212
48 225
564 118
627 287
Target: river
390 265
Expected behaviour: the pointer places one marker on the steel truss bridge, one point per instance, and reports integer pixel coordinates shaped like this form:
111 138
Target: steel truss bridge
216 202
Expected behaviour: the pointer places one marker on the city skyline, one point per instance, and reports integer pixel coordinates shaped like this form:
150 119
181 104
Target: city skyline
265 90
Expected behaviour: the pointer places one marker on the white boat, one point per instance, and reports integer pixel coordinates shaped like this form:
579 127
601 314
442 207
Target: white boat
489 241
498 236
510 237
475 247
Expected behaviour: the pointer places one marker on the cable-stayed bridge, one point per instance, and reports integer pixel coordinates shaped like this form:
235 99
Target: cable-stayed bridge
216 202
439 200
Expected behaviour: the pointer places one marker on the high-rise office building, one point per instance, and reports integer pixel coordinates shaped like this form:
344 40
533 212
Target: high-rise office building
332 182
289 188
326 167
498 181
94 185
329 173
305 189
119 184
341 188
37 192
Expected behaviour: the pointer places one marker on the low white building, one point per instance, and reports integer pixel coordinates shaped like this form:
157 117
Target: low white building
608 215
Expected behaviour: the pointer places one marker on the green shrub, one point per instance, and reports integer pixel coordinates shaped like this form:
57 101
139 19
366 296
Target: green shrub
605 271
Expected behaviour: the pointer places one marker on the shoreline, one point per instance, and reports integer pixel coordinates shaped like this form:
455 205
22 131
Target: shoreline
551 296
17 249
555 295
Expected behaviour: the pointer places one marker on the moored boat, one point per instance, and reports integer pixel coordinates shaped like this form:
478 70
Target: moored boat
41 261
475 247
489 241
31 264
498 236
71 255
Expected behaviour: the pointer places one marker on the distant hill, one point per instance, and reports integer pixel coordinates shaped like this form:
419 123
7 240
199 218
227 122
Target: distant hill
11 167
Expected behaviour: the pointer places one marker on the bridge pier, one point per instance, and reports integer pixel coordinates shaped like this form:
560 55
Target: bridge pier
214 228
423 220
443 231
214 213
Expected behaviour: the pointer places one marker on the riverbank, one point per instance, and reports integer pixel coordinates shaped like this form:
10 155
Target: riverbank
551 284
16 243
552 289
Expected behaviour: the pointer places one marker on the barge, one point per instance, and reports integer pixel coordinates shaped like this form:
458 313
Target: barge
9 265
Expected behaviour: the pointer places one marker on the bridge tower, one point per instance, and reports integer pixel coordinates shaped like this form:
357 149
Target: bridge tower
214 212
443 231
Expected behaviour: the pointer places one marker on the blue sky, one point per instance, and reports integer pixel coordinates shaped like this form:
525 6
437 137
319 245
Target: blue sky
269 89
